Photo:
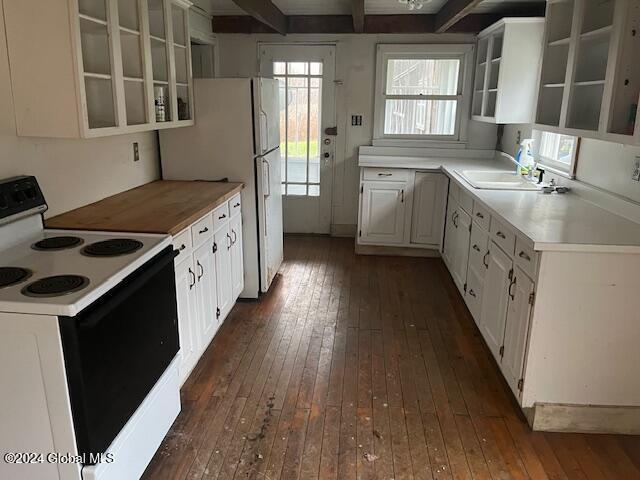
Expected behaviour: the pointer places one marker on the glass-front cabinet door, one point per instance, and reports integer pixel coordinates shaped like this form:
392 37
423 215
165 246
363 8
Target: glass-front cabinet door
136 63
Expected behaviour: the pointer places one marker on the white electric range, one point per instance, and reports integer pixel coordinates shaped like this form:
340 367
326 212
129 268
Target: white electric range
88 338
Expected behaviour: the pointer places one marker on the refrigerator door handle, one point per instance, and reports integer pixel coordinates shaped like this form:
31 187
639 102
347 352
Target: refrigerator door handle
266 187
264 131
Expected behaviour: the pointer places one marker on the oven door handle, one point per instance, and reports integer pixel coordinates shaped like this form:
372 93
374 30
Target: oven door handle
159 262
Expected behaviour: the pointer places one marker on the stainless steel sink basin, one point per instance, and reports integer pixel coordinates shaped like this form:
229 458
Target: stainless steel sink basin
496 180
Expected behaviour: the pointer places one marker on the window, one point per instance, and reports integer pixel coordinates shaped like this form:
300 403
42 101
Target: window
555 151
421 93
300 125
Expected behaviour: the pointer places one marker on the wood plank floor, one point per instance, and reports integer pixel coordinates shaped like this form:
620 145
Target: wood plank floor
357 367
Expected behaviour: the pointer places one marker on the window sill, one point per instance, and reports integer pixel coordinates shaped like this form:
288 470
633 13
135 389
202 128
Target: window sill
395 142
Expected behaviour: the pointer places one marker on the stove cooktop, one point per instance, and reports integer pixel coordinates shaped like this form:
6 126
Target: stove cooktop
59 272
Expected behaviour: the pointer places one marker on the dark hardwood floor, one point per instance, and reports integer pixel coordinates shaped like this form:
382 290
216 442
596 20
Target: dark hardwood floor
364 367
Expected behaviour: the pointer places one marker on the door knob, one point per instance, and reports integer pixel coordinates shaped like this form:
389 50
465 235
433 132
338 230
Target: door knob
327 154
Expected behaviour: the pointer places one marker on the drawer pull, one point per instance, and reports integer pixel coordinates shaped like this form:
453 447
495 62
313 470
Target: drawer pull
511 294
236 205
183 246
385 174
479 215
484 260
525 256
476 247
193 275
501 235
230 242
201 268
204 230
235 237
472 293
224 215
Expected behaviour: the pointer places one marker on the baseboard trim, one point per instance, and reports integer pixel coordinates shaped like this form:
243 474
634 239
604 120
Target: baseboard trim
585 419
343 230
396 251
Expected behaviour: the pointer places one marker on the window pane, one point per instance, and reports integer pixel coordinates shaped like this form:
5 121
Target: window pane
296 189
315 68
297 68
297 123
314 190
420 117
422 76
314 130
279 68
554 146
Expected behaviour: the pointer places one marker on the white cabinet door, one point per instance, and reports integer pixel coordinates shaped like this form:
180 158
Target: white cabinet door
462 224
448 250
383 205
206 287
496 296
188 327
428 208
223 242
516 328
237 267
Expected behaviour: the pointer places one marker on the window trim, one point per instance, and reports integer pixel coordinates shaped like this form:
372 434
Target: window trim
385 52
551 165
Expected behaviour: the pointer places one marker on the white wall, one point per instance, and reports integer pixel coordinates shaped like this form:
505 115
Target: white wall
355 69
71 173
604 165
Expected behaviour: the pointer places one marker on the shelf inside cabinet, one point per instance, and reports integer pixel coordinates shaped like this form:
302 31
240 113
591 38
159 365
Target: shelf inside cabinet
135 101
159 61
156 18
94 38
559 19
100 102
132 63
128 14
549 106
561 41
597 14
93 8
586 102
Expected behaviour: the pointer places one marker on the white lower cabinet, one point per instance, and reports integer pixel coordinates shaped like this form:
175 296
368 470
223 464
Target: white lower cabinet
495 299
209 278
224 275
382 216
237 263
401 207
187 303
456 242
516 328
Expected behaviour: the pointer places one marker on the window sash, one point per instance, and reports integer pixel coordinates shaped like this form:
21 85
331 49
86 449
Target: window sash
460 52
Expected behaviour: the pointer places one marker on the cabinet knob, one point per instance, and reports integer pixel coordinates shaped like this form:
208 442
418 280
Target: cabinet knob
525 256
224 215
501 235
204 230
479 215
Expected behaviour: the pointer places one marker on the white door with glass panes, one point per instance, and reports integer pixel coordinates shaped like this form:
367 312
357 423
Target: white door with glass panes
307 147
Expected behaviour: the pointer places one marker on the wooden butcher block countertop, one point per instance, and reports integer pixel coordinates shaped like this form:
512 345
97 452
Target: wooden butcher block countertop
164 206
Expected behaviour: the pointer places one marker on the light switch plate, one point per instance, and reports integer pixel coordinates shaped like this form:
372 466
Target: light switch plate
636 170
136 152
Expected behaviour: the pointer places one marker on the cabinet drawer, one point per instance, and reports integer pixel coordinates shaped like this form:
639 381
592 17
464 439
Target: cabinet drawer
390 174
526 258
235 205
182 243
479 246
502 236
481 216
473 296
201 230
220 216
465 201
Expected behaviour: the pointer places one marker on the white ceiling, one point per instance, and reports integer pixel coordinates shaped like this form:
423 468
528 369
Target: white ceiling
343 7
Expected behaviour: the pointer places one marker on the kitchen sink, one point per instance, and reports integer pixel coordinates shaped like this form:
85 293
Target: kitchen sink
496 180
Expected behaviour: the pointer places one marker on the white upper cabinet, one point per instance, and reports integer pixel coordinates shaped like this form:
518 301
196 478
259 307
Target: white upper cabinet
506 74
89 68
590 77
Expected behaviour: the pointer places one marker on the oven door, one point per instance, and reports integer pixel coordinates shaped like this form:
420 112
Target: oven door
116 350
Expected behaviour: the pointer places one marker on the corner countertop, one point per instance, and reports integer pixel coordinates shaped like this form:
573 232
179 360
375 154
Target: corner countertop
549 222
163 206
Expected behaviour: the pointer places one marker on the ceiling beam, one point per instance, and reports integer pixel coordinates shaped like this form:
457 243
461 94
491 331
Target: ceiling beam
266 12
357 12
452 12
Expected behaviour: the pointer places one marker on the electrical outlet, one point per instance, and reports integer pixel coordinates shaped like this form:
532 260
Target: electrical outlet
136 152
636 169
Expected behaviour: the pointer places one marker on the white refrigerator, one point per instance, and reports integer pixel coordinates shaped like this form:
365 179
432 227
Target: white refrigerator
237 136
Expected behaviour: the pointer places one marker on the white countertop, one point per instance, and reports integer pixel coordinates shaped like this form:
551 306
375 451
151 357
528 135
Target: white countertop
549 222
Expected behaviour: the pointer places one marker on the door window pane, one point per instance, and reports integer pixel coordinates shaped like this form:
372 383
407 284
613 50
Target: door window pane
422 77
420 117
300 125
